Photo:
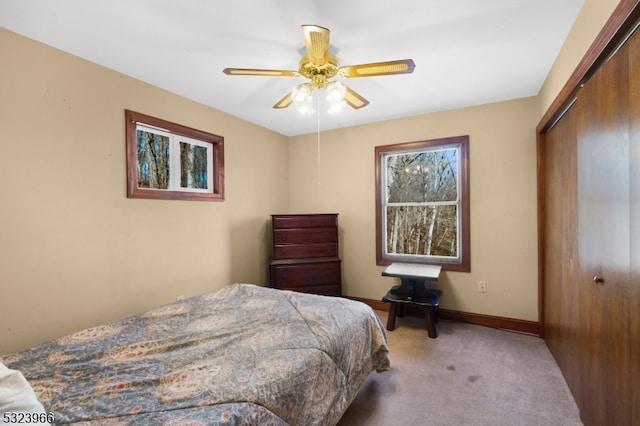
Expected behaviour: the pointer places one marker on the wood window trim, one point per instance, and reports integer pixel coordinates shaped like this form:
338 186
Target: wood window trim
465 240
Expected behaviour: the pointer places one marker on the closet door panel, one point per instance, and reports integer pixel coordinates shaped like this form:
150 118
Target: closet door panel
569 314
634 194
560 167
604 242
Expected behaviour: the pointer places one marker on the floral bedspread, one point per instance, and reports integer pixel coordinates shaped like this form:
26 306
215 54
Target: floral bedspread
241 355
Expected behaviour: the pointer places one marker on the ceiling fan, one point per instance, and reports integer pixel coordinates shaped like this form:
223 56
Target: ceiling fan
319 66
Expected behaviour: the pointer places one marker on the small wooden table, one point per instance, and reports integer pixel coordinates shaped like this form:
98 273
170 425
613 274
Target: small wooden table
413 291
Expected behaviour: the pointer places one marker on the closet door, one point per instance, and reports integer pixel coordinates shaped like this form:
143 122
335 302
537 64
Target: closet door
604 243
634 158
560 260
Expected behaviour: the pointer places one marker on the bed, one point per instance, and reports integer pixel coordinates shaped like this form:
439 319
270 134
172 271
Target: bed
241 355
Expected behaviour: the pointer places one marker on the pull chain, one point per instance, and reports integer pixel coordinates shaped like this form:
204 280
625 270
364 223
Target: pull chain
318 137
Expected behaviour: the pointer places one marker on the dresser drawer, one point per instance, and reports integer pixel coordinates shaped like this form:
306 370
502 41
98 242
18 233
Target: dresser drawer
304 221
305 236
305 274
300 251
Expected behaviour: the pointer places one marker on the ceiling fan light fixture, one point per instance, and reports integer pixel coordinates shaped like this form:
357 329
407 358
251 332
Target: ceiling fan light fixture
301 94
336 91
306 109
335 107
303 99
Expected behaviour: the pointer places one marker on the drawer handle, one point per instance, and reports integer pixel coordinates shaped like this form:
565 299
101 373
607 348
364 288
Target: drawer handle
598 280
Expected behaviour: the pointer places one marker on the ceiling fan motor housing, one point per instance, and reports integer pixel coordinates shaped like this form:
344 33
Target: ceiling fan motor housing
317 73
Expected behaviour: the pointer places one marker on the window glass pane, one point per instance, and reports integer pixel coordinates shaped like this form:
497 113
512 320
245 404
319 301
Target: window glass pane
153 160
425 176
193 166
428 230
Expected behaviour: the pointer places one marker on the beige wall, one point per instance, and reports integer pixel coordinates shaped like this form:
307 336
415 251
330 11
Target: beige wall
503 202
74 251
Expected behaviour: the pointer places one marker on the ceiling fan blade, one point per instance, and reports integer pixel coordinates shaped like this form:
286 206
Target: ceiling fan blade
403 66
354 100
316 40
261 72
284 102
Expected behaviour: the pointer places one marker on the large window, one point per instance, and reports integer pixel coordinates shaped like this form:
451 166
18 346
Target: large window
422 203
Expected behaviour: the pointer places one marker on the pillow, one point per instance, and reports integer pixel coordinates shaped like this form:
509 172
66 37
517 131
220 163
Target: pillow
17 396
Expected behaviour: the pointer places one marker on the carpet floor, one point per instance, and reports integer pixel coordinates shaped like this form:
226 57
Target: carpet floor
468 375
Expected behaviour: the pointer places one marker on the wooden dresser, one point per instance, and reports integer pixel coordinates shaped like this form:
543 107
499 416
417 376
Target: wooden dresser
305 253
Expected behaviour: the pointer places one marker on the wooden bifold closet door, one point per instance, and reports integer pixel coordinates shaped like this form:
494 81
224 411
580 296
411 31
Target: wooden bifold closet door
633 291
591 252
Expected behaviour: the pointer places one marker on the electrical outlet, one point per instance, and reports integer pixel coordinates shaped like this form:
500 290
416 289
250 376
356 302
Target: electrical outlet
482 286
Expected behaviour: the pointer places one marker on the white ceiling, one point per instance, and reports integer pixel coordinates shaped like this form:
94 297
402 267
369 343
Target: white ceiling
467 52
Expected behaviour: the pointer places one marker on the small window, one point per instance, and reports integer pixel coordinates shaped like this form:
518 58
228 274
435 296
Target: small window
170 161
422 203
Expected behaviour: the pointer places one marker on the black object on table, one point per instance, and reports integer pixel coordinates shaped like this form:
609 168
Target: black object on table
414 292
